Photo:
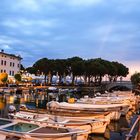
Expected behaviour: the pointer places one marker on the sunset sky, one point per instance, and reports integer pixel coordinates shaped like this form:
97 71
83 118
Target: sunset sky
109 29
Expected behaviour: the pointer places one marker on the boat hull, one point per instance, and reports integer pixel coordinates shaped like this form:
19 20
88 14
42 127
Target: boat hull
115 115
28 137
95 125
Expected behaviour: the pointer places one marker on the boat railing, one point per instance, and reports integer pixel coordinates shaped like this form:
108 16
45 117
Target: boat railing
134 133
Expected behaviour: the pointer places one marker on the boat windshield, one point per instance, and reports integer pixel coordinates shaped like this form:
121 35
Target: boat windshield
21 127
4 122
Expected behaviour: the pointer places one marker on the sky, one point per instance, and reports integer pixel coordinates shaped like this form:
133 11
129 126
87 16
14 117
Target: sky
109 29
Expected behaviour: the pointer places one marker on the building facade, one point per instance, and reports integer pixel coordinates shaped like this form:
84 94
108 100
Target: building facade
9 63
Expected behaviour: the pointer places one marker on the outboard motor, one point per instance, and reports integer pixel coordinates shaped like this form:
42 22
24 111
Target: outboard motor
11 109
52 105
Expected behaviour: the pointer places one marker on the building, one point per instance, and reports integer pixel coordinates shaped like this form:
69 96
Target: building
9 63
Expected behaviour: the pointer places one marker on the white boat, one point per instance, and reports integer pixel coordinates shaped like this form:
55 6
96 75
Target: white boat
88 108
93 126
113 102
32 131
123 96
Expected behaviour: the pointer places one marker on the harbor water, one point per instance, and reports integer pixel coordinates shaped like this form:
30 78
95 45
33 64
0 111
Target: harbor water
116 130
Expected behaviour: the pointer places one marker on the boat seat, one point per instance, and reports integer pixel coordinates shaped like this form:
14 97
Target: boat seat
65 121
43 119
25 116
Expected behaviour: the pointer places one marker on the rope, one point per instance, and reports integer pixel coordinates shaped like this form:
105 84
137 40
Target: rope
128 136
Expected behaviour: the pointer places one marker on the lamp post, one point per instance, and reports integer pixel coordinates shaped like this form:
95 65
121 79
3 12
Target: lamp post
38 72
37 102
47 95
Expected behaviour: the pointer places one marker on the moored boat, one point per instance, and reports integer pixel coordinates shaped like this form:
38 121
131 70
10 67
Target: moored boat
32 131
93 126
87 108
109 103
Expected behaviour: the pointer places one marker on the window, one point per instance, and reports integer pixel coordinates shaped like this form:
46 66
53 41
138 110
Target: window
18 65
13 64
1 71
5 63
4 71
10 64
12 73
1 62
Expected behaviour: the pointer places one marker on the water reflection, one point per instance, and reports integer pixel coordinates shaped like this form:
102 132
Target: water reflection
31 99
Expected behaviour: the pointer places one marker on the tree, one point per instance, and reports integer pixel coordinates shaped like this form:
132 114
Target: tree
93 69
17 77
135 79
112 71
77 67
101 68
122 71
31 70
60 67
43 66
22 67
3 77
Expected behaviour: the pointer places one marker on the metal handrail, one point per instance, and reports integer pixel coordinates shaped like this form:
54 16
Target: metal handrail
129 135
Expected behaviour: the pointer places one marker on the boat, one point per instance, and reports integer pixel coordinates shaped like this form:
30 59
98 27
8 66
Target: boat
122 96
93 126
71 113
32 131
83 108
108 102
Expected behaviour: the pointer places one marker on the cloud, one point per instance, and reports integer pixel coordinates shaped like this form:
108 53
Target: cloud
113 32
84 2
24 22
30 27
29 5
5 47
8 40
128 6
64 28
59 38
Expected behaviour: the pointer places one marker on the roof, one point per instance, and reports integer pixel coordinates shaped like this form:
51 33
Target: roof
12 55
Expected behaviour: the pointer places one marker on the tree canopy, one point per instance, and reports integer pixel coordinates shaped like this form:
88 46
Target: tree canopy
3 77
17 77
135 79
91 69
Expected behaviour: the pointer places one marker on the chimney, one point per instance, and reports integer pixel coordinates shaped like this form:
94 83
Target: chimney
2 51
